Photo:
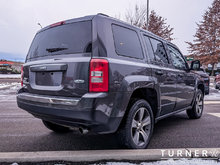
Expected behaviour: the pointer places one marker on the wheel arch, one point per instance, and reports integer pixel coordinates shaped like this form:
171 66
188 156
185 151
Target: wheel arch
201 87
148 94
139 87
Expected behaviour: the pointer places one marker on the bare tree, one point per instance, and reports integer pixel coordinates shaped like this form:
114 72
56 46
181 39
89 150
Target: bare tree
206 45
136 17
157 24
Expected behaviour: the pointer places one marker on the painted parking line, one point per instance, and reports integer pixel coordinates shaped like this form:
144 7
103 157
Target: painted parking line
2 101
215 114
211 102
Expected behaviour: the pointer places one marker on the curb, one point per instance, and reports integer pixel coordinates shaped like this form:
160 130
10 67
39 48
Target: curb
110 155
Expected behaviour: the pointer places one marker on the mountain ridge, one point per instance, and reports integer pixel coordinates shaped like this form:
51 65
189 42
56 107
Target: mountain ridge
12 57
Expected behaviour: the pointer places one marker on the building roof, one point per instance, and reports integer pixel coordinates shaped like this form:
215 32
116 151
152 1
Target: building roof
6 62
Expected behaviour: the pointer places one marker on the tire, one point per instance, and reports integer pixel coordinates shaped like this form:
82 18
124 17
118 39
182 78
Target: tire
56 128
197 109
137 127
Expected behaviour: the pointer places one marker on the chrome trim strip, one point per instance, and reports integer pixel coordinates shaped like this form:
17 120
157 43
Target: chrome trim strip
48 99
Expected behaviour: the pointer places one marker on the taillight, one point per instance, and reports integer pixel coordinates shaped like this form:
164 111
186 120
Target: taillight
22 75
98 75
57 24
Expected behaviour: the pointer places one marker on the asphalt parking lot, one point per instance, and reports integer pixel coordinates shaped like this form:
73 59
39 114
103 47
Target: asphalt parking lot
19 131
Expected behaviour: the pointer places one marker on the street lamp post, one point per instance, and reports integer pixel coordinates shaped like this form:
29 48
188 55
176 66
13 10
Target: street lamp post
147 14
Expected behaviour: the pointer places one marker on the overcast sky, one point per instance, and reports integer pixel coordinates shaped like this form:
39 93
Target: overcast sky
19 18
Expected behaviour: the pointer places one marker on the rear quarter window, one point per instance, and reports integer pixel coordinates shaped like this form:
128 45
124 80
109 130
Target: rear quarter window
150 52
159 51
127 42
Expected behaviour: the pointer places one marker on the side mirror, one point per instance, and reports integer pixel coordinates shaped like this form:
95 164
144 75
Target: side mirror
195 65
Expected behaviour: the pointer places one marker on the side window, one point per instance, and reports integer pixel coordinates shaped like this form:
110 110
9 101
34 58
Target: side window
150 52
127 42
176 58
159 51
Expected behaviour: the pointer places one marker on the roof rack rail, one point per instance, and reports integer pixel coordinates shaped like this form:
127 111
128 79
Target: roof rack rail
103 14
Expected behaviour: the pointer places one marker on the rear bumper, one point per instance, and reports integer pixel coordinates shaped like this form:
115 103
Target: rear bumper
206 90
72 112
48 99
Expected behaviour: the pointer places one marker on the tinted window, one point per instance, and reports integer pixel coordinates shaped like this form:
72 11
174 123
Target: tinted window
150 52
64 39
176 58
126 42
159 51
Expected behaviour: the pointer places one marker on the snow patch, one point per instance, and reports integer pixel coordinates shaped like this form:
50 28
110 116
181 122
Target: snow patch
5 76
213 95
4 85
12 86
169 162
14 164
8 89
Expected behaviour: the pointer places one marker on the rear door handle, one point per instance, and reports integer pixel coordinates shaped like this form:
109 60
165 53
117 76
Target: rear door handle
159 72
171 74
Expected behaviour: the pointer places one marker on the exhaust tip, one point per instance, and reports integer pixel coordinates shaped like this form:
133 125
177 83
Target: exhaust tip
83 130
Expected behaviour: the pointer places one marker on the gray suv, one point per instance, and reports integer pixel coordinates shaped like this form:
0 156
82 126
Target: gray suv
102 75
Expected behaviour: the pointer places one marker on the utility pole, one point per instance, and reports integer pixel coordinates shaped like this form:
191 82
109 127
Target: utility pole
147 14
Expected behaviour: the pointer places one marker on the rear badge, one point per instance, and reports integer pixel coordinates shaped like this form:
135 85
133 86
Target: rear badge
43 68
79 81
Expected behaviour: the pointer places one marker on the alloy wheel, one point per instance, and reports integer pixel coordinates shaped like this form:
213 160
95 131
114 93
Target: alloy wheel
141 126
199 104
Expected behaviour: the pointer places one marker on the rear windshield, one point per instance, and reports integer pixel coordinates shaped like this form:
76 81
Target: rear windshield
65 39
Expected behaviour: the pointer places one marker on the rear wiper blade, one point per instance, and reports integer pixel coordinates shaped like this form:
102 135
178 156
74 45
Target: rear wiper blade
55 49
